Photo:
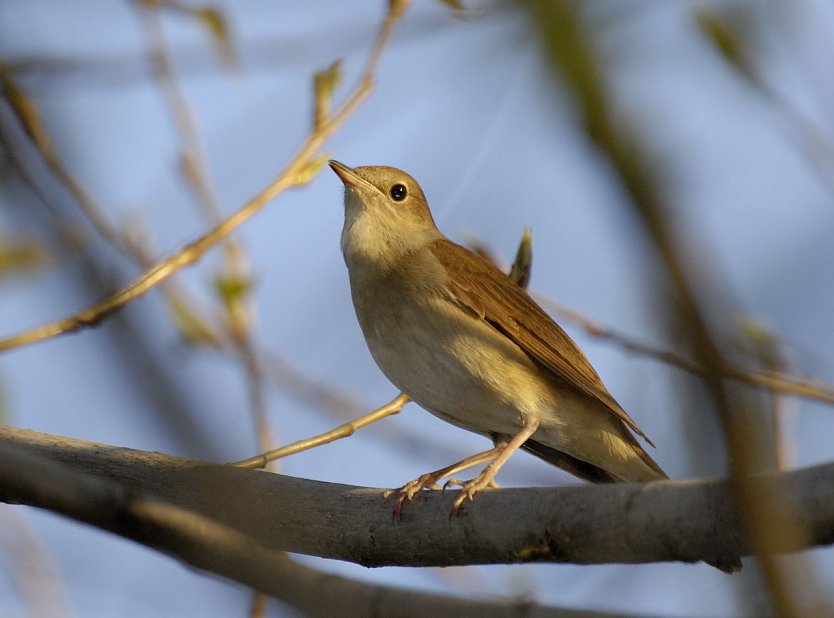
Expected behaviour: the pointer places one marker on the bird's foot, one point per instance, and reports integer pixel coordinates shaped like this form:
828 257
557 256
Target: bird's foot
468 489
409 490
458 483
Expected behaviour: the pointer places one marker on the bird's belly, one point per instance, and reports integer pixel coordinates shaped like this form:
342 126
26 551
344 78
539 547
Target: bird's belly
458 367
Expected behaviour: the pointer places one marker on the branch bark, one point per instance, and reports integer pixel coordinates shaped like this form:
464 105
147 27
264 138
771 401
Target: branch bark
629 523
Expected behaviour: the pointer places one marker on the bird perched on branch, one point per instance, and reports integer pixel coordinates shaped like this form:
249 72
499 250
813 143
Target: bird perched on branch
461 339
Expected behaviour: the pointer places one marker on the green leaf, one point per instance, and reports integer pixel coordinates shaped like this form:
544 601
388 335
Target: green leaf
521 270
25 109
727 36
192 329
310 169
232 288
325 83
20 257
456 5
215 23
764 343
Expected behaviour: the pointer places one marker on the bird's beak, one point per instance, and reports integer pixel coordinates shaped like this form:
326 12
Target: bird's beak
345 173
351 178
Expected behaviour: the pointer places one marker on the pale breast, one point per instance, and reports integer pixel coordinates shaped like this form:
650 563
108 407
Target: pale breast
451 362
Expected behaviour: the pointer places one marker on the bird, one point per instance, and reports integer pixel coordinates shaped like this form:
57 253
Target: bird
465 342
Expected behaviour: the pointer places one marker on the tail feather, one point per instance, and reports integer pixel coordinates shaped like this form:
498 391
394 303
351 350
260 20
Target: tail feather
568 463
594 474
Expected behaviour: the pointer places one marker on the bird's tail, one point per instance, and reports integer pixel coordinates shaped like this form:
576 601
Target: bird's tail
644 469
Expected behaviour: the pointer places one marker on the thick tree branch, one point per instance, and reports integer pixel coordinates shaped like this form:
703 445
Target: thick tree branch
204 543
629 523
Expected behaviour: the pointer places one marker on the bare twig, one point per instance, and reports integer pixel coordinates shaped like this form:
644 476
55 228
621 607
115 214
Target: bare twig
729 32
775 381
299 171
130 246
255 390
232 286
192 152
342 431
520 273
759 506
34 570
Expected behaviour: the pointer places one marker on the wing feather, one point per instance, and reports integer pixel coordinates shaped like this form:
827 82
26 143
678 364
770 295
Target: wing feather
482 288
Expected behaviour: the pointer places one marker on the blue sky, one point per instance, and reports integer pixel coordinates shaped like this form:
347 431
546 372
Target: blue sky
469 107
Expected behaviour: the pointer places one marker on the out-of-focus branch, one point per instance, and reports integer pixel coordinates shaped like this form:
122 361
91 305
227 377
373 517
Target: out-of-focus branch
728 31
759 506
303 166
149 373
192 154
233 286
27 113
776 381
33 569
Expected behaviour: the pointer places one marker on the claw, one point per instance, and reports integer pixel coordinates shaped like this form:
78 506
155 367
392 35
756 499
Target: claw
452 483
408 491
469 489
458 483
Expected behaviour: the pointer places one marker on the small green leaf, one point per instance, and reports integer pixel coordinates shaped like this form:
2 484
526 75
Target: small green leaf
192 329
533 553
764 343
232 288
215 23
20 257
25 109
456 5
325 83
310 169
523 263
726 34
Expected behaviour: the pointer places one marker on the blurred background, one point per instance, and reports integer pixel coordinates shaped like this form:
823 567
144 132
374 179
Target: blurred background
128 127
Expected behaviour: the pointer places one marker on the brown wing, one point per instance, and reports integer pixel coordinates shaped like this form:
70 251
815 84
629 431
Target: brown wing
482 288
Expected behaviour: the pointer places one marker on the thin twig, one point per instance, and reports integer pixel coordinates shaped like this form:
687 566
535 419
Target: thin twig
771 380
123 242
237 313
342 431
31 566
759 507
296 173
192 151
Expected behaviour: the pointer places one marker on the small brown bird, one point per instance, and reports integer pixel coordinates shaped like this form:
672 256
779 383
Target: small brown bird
466 343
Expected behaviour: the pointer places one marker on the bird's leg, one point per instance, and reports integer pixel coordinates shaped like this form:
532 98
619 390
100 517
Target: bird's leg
459 483
429 480
500 444
487 477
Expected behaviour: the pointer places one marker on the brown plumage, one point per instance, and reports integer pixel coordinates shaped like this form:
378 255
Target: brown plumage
465 342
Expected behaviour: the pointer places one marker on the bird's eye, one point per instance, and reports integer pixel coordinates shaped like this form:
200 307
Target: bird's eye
398 192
